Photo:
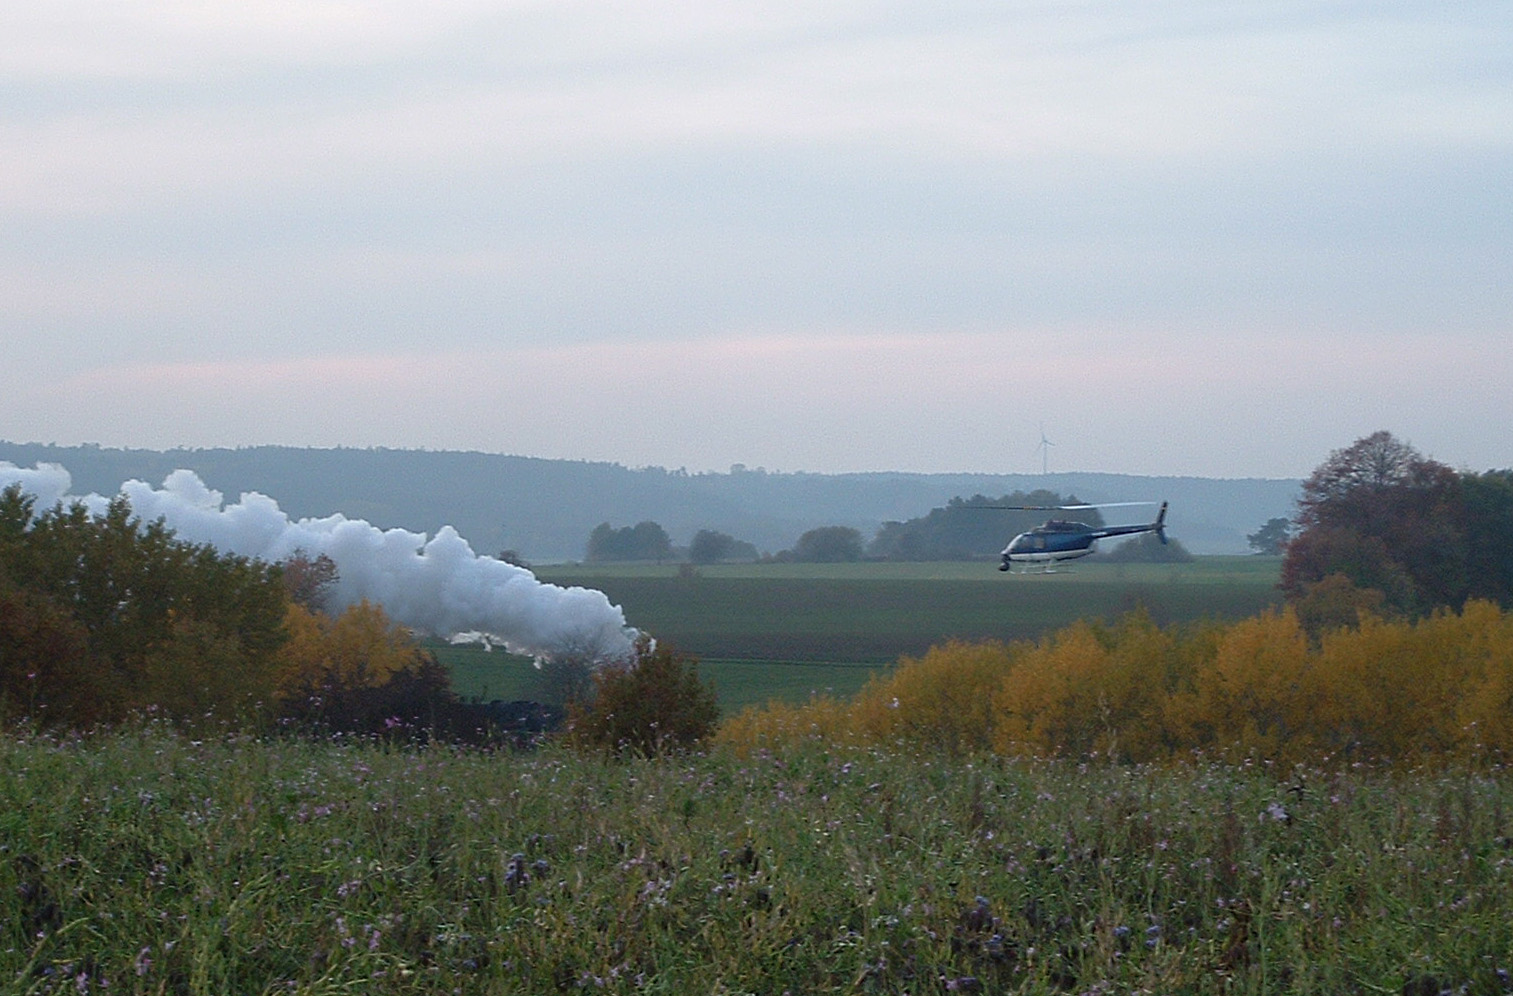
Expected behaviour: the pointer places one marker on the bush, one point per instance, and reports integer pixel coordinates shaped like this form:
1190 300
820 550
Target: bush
1431 691
360 673
45 670
829 545
653 704
943 700
711 547
1148 548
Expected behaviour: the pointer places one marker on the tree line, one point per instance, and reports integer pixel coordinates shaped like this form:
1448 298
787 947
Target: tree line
104 617
1394 644
1378 527
974 528
1382 528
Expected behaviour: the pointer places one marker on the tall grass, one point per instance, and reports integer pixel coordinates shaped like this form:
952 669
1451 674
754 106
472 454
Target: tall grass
144 862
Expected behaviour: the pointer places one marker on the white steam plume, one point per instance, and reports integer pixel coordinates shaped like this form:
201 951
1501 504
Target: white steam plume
437 586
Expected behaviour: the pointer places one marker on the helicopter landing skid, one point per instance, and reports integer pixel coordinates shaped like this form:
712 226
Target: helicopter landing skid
1047 569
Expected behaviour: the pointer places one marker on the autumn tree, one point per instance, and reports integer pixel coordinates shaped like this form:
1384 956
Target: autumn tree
652 704
309 580
1385 517
357 671
45 669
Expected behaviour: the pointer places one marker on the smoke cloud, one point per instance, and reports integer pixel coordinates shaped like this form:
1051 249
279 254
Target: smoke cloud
436 585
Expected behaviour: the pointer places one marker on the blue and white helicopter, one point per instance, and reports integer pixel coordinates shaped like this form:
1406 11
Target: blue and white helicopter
1060 539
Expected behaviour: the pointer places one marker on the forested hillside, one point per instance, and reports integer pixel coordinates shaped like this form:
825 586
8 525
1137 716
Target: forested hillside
546 509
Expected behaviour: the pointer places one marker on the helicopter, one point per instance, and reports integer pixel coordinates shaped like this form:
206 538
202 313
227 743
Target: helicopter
1060 539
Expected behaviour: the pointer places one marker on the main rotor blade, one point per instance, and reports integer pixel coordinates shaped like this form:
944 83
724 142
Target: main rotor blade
1061 508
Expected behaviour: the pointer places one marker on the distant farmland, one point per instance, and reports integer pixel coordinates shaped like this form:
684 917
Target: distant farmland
789 630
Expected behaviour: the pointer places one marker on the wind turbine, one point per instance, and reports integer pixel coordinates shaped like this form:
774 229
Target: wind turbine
1045 448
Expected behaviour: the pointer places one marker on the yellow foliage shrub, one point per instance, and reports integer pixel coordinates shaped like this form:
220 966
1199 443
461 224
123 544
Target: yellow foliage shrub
1252 697
1484 715
1435 690
1090 691
1484 710
943 700
361 648
781 725
1411 691
1050 703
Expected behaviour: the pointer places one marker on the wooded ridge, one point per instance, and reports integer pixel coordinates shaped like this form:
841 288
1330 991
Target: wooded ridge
545 509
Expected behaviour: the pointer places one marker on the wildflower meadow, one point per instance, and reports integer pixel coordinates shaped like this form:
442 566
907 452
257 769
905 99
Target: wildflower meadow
144 861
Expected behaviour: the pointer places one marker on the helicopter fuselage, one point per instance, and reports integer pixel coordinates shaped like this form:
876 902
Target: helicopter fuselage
1059 540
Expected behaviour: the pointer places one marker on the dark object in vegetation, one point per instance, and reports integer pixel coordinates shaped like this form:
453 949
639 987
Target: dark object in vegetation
654 704
418 705
415 703
1423 985
520 722
39 910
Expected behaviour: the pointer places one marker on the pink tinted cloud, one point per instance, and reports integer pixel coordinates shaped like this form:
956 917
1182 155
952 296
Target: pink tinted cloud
834 401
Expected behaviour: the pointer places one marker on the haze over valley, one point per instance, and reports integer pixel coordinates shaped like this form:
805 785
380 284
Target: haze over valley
545 509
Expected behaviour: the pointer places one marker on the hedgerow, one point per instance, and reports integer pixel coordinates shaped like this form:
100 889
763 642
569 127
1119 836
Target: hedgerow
1433 690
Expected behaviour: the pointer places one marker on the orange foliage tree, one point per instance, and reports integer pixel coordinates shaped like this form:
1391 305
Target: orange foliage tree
355 670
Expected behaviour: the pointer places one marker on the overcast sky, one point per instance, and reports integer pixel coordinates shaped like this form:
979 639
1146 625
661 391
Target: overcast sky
1186 237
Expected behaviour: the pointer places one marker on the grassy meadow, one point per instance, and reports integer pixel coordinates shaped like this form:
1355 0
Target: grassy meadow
787 631
145 862
148 861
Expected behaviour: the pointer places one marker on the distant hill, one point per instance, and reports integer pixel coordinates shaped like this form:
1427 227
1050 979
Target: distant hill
545 509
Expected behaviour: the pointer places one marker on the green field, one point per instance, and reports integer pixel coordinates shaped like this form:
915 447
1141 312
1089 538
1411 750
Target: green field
787 631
